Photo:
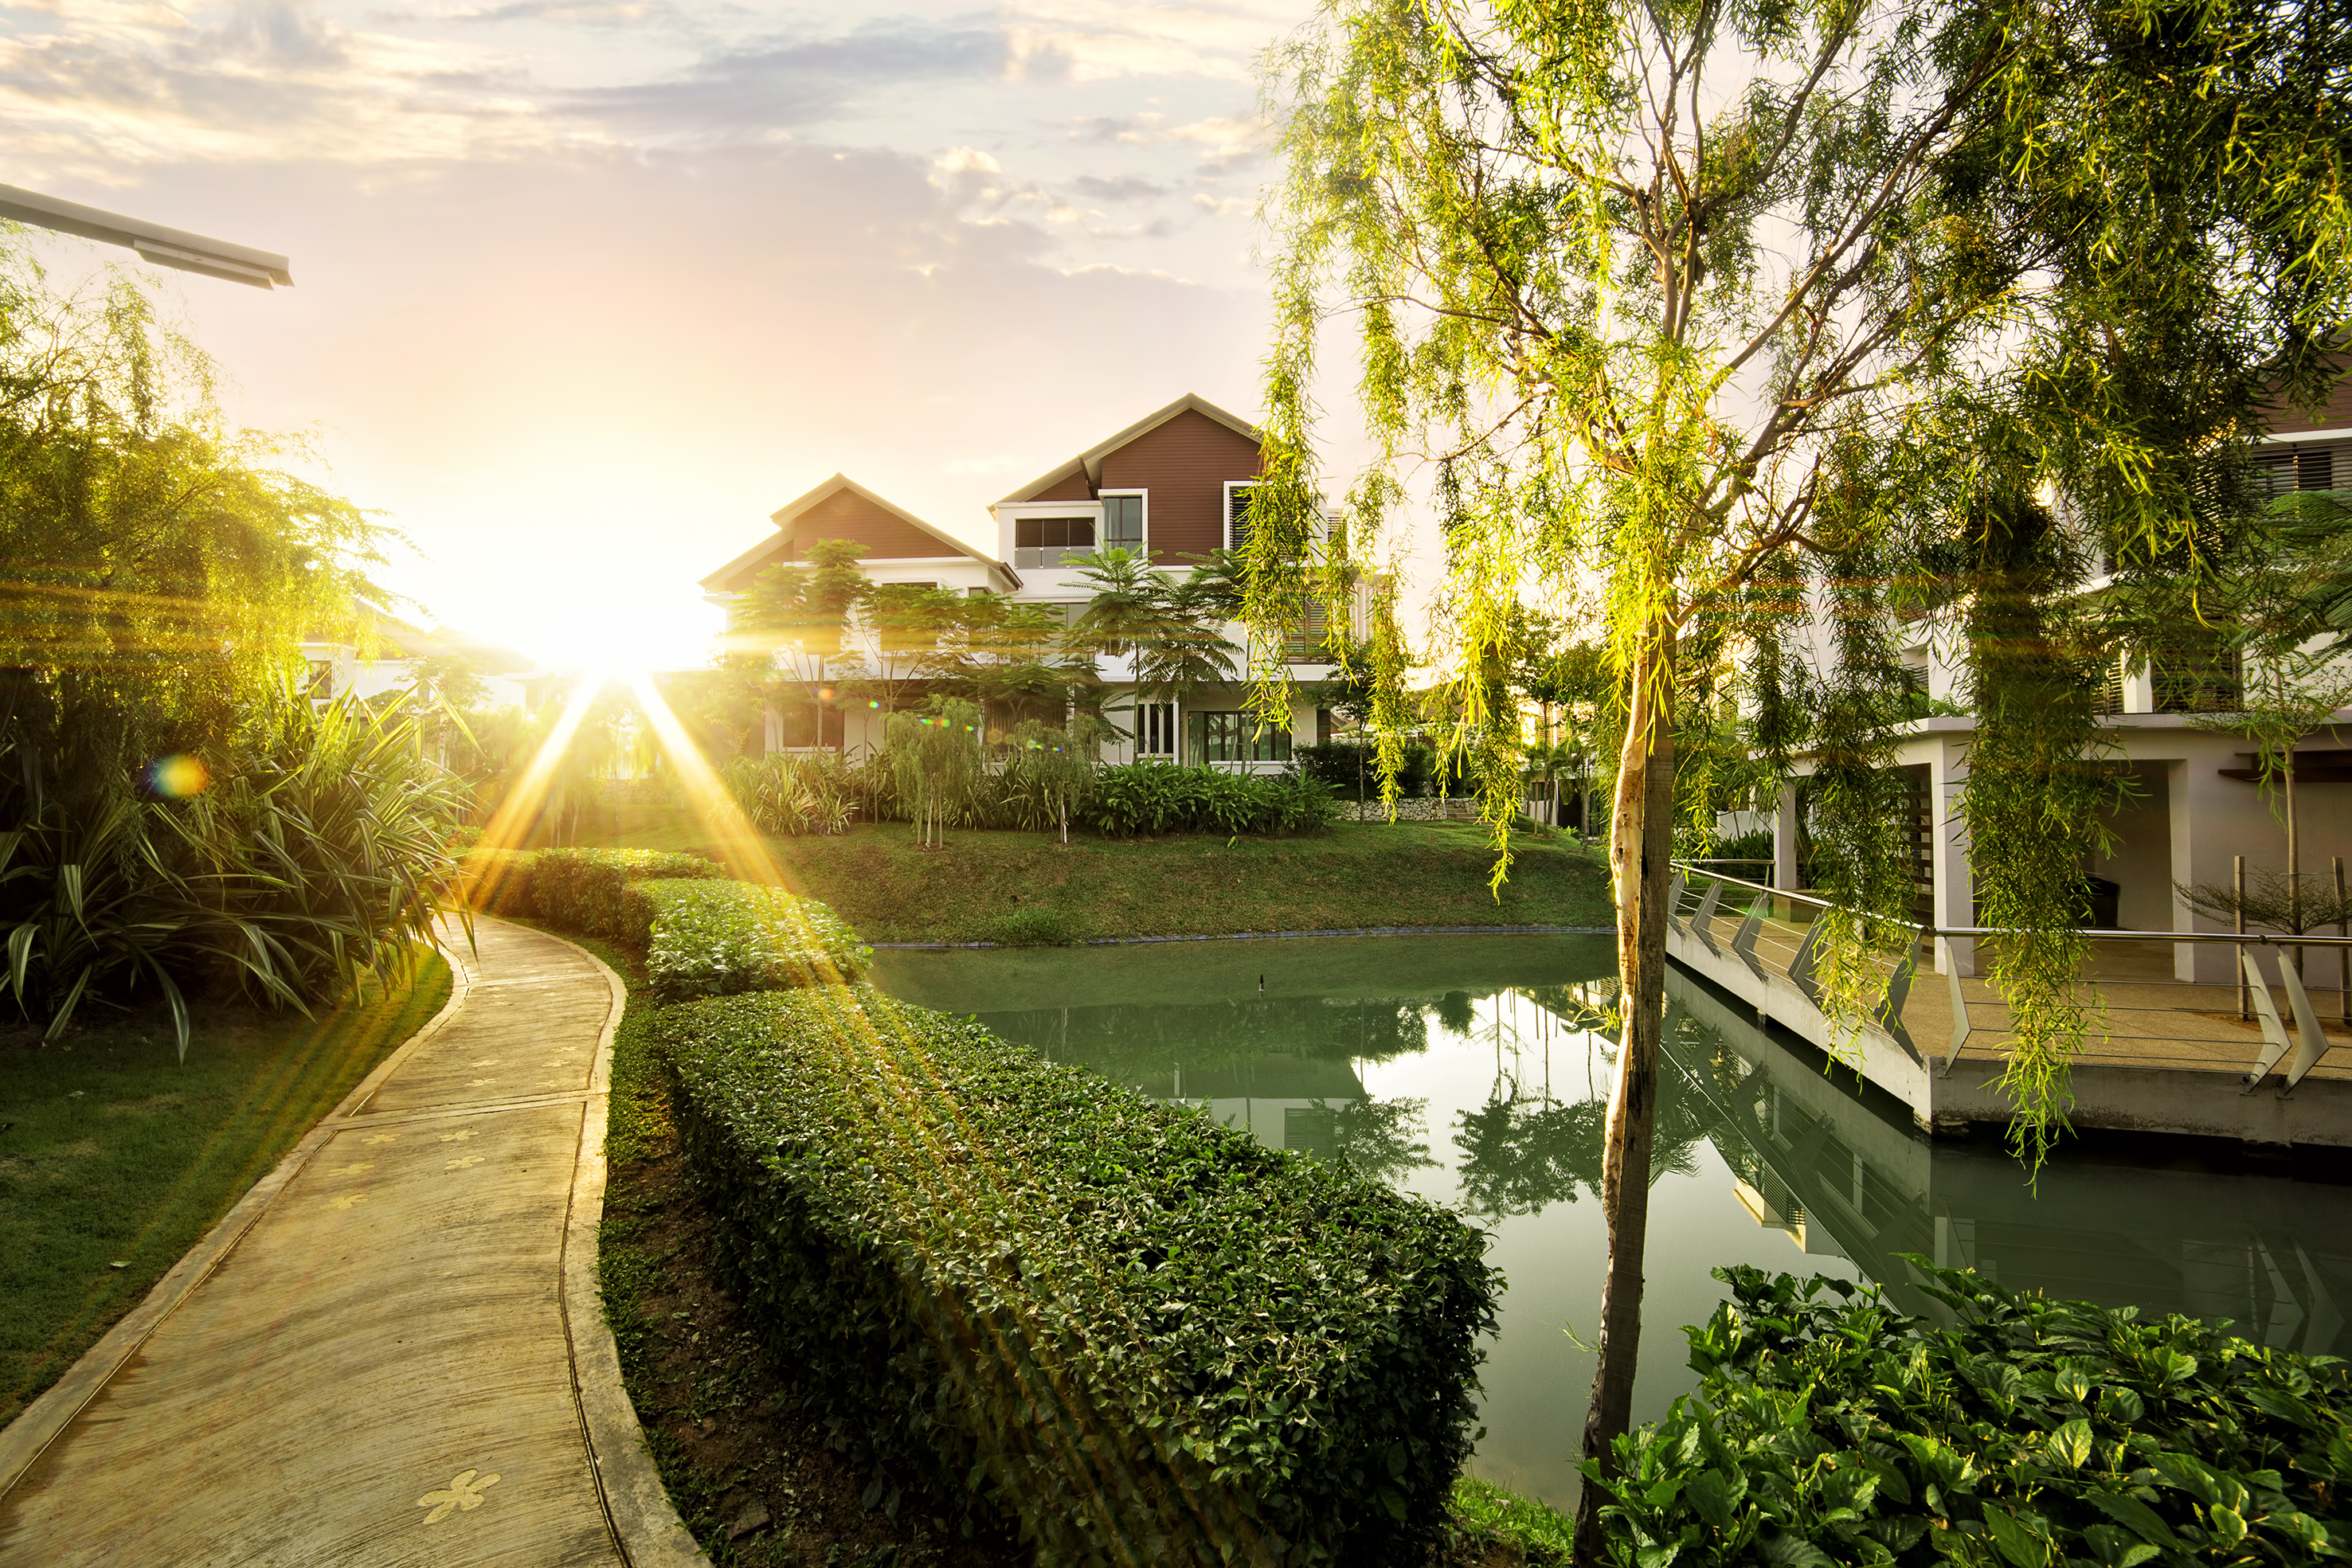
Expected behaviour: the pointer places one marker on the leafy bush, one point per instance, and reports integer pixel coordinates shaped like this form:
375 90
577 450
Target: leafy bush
1031 928
1157 798
587 890
1136 1333
1353 768
795 795
306 851
715 938
498 882
1830 1428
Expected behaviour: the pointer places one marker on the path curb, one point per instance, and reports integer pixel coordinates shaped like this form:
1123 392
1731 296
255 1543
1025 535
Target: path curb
28 1437
644 1523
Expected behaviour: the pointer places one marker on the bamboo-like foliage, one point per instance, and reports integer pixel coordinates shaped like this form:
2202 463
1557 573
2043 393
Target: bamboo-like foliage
1675 308
935 764
314 854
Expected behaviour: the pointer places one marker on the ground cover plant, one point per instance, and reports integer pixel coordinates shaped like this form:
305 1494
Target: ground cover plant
112 1151
716 938
1830 1428
1121 1324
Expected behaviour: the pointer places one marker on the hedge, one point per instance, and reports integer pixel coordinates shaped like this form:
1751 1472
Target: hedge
1160 797
587 890
1133 1333
715 938
497 882
1830 1428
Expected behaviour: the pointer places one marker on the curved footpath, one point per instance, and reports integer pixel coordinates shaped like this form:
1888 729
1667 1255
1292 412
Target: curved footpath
391 1351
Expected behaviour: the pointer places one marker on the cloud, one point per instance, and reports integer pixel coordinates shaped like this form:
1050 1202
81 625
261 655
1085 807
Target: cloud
1134 131
1124 188
797 80
1223 207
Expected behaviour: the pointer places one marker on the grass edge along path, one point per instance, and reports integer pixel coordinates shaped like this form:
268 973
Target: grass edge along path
1491 1526
1030 889
112 1151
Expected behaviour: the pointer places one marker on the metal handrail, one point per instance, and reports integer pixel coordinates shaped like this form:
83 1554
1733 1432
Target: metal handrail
2260 938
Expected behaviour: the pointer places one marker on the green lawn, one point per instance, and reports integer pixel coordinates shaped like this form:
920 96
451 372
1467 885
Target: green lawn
112 1152
996 886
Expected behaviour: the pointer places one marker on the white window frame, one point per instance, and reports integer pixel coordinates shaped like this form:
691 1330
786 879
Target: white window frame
1175 730
1226 523
1102 522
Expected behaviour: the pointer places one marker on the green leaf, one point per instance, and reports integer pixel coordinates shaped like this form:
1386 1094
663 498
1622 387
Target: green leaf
2134 1516
1711 1495
2070 1445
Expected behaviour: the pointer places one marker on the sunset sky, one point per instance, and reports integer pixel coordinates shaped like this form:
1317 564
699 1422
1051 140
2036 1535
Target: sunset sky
588 288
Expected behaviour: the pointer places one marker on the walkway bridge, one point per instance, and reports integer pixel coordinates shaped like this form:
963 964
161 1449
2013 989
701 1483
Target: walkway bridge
2268 1060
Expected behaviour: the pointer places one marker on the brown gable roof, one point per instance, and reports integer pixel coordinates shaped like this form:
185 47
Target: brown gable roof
1077 479
842 508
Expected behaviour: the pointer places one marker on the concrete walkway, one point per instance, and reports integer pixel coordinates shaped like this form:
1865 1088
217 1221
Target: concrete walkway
390 1352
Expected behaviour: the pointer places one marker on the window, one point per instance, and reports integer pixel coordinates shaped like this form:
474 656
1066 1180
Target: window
1123 522
322 682
1237 500
1233 737
2197 680
1051 541
2107 696
1155 729
2307 469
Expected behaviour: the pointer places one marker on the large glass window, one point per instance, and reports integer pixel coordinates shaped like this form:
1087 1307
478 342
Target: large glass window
1123 522
1233 737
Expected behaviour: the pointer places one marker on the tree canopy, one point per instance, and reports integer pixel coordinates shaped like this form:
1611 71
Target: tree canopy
1759 326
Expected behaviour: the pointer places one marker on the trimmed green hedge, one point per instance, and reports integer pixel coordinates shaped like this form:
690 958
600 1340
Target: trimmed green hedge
716 938
588 890
1831 1429
1135 1332
498 882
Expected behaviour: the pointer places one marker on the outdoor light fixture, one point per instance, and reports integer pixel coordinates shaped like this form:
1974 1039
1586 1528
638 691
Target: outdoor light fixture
154 242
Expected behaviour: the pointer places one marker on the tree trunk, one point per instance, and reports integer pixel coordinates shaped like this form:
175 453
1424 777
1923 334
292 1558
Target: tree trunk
1640 832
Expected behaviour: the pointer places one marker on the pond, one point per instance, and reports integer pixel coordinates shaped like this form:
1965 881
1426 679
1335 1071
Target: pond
1459 1068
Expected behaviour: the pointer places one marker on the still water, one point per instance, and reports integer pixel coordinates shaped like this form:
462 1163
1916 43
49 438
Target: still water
1457 1068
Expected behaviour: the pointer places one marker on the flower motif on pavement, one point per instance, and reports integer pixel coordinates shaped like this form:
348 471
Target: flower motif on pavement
357 1167
383 1138
464 1162
457 1137
347 1200
478 1082
462 1495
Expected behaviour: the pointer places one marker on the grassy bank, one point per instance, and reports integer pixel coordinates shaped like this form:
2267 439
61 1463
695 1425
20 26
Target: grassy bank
1030 887
115 1156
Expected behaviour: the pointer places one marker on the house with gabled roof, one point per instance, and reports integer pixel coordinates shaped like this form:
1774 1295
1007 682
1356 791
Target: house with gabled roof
1173 486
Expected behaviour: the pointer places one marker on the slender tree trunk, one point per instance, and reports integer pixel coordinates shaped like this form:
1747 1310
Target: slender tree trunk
2293 863
1640 831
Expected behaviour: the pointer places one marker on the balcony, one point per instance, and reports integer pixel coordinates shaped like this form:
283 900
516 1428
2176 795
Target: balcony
1042 544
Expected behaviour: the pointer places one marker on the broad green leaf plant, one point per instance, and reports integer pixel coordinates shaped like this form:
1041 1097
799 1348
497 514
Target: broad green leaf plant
1724 317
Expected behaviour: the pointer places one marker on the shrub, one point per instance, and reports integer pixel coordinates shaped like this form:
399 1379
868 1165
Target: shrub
715 938
307 849
1136 1333
1353 768
1157 798
1830 1428
795 795
587 890
498 882
1032 927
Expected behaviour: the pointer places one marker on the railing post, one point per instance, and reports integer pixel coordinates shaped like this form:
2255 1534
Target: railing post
2238 881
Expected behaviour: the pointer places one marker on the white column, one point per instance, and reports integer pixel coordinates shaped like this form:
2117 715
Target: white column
1784 839
1955 892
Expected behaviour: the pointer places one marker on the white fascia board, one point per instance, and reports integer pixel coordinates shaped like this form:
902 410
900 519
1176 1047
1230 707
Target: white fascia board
2295 436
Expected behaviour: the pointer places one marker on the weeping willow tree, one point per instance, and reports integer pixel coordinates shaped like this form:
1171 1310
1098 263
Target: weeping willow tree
1722 315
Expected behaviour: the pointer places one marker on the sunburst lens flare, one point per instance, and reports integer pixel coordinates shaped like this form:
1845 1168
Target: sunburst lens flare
738 840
